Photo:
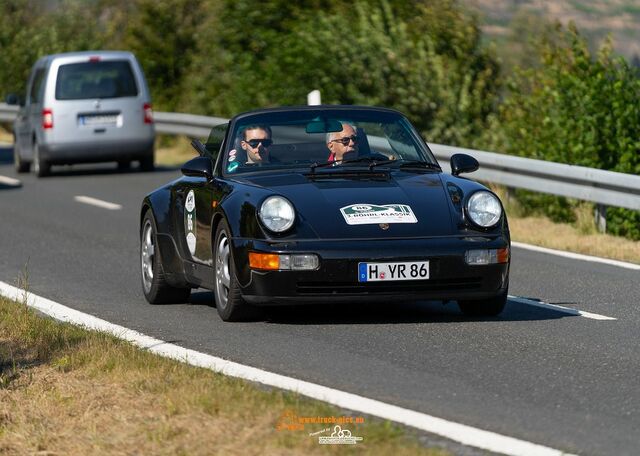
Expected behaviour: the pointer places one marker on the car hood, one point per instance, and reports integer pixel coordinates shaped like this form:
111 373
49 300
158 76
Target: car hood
366 205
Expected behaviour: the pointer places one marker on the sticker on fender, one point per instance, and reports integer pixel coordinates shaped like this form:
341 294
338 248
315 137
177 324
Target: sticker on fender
376 272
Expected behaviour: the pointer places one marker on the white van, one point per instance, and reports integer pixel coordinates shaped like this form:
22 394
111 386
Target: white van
83 107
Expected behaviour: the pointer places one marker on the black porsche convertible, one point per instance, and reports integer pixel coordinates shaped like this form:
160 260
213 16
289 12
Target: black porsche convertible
320 204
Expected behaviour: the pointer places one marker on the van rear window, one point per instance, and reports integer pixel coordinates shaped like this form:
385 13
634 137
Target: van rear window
102 79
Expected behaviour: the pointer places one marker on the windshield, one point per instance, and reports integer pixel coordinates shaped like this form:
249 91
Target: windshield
308 138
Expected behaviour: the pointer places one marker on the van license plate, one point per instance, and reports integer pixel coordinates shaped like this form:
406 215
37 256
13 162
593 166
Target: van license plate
376 272
99 120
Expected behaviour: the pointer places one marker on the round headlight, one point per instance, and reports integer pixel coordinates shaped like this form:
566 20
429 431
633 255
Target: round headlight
277 214
484 209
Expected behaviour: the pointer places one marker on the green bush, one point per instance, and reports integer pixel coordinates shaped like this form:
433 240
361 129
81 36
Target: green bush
574 108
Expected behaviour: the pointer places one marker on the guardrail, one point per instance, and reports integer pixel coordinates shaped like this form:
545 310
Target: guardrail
605 188
7 112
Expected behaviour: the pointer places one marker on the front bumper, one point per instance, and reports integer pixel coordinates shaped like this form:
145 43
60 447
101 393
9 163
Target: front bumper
336 279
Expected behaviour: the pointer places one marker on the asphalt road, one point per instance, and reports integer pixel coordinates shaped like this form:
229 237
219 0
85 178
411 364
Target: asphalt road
540 375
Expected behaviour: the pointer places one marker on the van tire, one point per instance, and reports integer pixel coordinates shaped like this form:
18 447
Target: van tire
20 165
147 164
41 167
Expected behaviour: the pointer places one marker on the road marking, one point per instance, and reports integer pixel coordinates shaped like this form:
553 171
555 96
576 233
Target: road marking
98 203
10 181
464 434
577 256
568 310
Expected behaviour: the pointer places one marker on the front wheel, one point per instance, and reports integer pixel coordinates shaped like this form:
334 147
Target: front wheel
229 302
155 287
486 307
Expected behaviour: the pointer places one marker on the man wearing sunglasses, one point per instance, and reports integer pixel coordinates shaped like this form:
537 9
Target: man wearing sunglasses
342 143
256 142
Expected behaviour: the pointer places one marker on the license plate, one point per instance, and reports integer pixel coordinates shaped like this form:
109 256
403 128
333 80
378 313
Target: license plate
99 120
377 272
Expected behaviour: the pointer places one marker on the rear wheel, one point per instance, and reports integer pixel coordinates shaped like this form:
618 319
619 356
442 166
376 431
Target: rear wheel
124 165
20 165
154 285
147 164
229 302
41 167
486 307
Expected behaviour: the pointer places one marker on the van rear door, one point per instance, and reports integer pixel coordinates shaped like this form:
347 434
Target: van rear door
99 99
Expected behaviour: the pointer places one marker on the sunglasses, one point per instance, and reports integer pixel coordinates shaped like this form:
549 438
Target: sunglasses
255 142
345 140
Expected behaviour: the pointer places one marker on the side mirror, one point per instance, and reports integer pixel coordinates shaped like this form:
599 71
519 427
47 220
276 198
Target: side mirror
12 99
198 167
463 163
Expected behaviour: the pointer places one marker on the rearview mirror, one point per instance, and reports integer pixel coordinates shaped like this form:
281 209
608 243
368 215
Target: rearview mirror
321 125
463 163
198 167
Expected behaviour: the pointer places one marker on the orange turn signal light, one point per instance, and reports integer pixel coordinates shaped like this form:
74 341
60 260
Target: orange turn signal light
268 261
503 255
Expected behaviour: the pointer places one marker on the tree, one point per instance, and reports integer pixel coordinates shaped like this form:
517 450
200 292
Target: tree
162 34
423 58
576 108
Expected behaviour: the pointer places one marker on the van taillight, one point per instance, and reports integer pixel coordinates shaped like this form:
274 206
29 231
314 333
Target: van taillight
47 119
148 113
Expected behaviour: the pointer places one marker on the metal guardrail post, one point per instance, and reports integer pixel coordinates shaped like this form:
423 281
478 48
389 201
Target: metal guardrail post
600 214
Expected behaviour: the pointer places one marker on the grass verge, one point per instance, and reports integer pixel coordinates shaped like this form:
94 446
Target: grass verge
173 150
5 135
65 390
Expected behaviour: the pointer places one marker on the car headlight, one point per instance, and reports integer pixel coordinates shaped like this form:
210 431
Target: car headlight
484 209
277 214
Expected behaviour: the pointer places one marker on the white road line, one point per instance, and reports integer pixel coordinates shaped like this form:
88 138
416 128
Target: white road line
464 434
98 203
577 256
10 181
568 310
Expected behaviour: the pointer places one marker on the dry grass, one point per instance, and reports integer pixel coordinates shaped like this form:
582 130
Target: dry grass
173 151
5 135
543 232
64 390
580 237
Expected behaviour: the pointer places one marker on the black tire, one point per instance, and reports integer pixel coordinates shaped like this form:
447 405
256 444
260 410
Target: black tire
154 285
124 165
20 165
41 167
484 308
147 163
229 302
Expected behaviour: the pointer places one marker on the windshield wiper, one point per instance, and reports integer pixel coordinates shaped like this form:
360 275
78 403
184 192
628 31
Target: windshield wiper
321 165
407 164
343 162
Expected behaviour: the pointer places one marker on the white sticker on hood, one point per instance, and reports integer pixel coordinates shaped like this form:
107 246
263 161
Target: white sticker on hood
365 214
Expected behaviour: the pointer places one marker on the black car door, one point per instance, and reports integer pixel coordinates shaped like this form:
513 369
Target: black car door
192 221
